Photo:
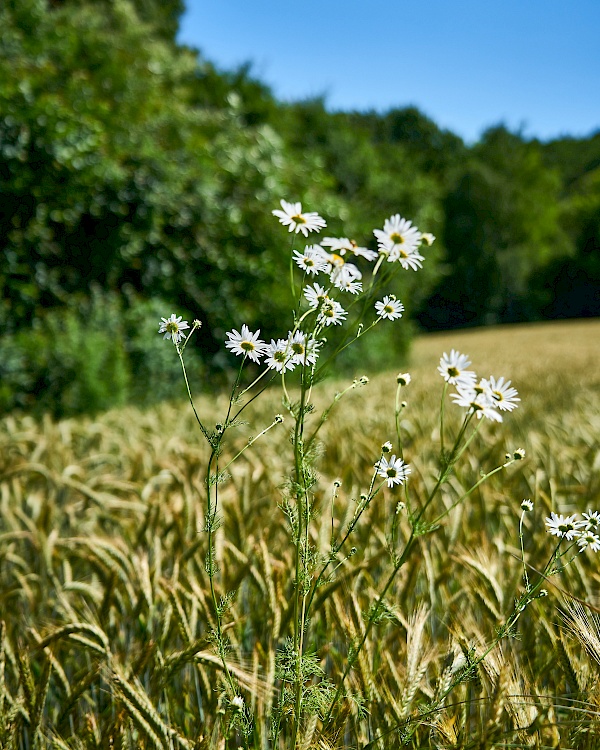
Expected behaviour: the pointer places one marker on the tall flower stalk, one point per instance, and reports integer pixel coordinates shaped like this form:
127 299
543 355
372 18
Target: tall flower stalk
347 294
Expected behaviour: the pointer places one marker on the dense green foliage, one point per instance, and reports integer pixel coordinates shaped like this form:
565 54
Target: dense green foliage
130 165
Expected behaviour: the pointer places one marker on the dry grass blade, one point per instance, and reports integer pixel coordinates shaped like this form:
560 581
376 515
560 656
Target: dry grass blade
584 624
142 711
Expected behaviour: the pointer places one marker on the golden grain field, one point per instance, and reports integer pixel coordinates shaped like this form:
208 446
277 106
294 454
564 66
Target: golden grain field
105 610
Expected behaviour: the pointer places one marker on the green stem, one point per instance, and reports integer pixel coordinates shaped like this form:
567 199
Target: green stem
326 412
210 521
442 408
211 516
469 491
189 393
251 442
301 522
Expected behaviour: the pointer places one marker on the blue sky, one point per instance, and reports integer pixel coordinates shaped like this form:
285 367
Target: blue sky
467 64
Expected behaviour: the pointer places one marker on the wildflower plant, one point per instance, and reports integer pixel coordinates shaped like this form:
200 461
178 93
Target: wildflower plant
340 291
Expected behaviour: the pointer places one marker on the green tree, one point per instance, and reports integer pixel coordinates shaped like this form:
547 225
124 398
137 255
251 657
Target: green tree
570 287
111 174
502 224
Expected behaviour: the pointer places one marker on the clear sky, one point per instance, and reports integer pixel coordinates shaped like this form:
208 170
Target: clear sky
467 64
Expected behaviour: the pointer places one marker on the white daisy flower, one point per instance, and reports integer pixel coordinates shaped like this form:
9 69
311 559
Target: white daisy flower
343 245
279 356
312 260
331 313
527 506
342 275
340 272
428 238
238 703
564 526
303 351
592 521
315 295
246 343
390 308
394 470
398 234
478 401
504 396
408 260
453 369
292 217
172 328
347 285
589 539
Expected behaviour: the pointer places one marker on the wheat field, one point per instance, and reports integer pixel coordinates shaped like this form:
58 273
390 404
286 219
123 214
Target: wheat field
106 616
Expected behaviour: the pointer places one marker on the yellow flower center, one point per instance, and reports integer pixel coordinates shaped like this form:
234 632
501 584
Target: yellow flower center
396 238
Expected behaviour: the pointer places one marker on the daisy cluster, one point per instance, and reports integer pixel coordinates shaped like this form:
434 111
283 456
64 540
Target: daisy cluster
485 397
398 241
585 530
281 355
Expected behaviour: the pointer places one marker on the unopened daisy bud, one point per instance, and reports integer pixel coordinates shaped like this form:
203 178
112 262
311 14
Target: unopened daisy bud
519 454
526 505
238 703
508 456
219 427
400 507
543 592
363 380
279 418
403 404
337 482
386 447
403 378
352 552
363 498
428 238
197 323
